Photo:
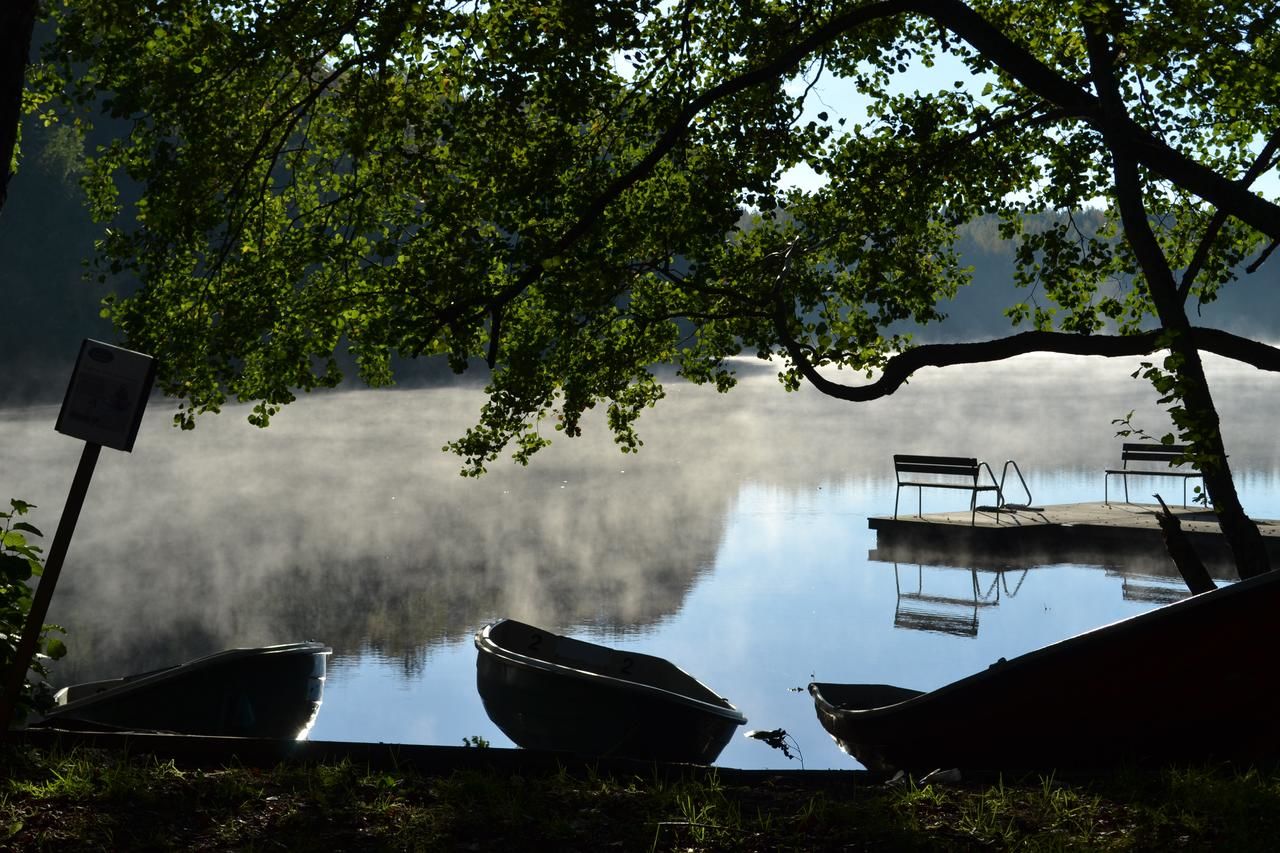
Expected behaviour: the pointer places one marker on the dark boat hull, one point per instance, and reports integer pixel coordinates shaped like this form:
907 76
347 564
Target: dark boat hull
603 703
1190 681
273 691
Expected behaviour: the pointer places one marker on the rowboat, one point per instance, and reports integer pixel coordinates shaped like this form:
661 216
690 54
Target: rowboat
549 692
1186 682
269 691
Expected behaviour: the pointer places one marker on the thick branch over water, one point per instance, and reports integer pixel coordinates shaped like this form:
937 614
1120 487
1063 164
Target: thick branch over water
900 367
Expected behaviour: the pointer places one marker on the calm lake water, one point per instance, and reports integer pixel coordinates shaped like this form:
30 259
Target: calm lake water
736 543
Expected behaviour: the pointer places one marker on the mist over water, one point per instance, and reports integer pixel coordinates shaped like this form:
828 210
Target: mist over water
735 543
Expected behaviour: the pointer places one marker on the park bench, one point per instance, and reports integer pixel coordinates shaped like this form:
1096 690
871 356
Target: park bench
943 472
1169 454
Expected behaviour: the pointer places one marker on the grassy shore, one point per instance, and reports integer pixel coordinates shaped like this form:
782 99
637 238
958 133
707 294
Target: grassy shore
87 799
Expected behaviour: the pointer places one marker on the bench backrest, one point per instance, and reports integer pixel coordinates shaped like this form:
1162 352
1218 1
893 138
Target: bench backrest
947 466
1143 452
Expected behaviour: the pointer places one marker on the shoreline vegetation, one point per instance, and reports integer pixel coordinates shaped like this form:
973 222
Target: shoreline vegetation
89 798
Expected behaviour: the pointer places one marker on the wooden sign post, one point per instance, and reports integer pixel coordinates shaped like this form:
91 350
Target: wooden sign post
103 406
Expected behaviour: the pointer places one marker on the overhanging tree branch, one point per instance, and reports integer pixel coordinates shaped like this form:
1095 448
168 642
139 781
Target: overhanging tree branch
1260 164
988 40
1262 257
898 369
666 143
1132 140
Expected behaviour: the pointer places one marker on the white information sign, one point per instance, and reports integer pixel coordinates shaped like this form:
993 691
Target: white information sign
107 395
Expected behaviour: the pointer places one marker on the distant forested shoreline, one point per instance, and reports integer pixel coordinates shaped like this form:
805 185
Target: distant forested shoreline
50 305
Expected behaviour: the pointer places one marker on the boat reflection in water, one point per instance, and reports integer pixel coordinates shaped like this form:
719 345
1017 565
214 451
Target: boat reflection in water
545 691
1184 682
270 692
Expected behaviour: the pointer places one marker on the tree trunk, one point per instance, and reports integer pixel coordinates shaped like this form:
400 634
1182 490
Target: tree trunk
1198 421
17 19
1242 534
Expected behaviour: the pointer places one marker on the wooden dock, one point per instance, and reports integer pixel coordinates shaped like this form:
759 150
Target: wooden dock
1114 534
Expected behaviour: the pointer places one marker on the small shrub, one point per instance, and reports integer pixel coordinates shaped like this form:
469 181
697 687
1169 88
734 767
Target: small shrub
20 562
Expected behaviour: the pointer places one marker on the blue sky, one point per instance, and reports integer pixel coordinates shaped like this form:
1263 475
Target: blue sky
840 100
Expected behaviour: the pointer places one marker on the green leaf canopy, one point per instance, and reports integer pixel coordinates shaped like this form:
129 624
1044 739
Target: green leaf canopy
577 192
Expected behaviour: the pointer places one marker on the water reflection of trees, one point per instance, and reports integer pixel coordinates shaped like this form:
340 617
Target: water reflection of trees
619 555
343 522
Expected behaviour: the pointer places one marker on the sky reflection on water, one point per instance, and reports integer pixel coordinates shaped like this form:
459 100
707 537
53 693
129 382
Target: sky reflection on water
735 544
